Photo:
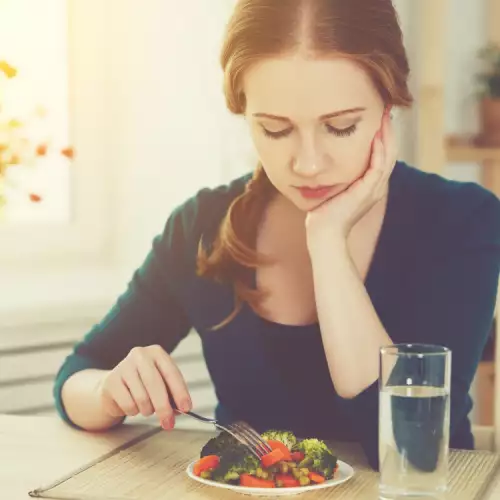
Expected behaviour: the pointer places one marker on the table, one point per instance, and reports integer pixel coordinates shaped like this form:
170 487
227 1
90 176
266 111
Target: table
37 450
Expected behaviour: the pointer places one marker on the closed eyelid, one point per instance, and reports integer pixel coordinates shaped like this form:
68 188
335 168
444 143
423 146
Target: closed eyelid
270 123
343 122
276 127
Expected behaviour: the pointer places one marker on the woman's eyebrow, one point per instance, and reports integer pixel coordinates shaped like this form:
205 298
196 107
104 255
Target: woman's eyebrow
333 114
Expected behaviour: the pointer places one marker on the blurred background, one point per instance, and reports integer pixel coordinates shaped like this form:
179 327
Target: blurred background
112 114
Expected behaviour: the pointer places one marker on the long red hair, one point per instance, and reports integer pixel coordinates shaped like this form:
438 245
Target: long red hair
366 31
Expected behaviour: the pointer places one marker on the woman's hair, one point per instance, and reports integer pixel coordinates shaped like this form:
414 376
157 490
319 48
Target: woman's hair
365 31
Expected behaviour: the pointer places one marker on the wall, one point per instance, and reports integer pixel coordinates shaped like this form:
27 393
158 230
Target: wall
464 34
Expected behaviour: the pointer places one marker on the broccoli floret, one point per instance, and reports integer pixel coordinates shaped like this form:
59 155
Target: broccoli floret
235 458
217 445
234 462
318 456
286 437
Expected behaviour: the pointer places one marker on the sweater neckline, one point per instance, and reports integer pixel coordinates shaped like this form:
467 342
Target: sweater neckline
381 249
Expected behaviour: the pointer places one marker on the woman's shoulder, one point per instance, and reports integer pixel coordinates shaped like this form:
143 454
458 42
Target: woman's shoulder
201 214
445 206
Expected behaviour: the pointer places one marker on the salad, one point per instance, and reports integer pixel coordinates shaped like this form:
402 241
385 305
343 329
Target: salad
292 463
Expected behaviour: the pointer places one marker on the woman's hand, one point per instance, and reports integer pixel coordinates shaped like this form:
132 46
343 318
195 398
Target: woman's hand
334 219
142 383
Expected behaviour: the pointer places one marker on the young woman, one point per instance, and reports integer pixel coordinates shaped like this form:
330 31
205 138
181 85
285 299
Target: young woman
296 276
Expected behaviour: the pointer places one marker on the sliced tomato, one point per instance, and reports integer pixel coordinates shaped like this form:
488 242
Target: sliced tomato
316 478
298 456
272 458
278 445
254 482
205 463
287 481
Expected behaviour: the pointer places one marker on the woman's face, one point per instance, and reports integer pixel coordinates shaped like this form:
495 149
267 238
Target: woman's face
312 122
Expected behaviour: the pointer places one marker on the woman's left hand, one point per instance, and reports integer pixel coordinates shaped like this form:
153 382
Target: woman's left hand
333 220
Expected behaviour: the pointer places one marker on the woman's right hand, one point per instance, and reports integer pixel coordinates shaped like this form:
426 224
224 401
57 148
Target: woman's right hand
142 383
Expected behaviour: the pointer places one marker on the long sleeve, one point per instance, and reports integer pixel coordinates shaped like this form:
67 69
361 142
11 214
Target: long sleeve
147 313
452 304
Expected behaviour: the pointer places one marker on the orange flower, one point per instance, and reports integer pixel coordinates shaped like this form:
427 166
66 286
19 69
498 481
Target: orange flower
41 150
35 198
68 153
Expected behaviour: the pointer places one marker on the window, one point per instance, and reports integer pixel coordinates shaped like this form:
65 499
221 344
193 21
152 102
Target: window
34 112
55 209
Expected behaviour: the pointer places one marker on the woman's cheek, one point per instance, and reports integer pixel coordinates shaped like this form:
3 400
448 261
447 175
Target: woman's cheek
273 154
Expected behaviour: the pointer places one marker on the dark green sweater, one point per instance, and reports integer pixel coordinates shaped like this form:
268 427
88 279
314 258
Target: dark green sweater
433 280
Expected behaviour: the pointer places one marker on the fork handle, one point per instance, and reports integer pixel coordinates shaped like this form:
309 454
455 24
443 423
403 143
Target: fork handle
190 413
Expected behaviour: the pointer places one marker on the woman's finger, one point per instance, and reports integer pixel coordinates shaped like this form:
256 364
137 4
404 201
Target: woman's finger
376 170
112 408
175 381
139 393
123 398
390 144
156 389
387 138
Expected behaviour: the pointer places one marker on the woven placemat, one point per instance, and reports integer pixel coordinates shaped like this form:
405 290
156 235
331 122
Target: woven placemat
152 467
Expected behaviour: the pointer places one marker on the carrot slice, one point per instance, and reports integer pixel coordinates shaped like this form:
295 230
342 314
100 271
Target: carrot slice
298 456
272 458
316 478
278 445
287 481
205 463
254 482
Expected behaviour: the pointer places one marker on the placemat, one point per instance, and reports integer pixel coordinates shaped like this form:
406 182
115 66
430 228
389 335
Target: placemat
152 467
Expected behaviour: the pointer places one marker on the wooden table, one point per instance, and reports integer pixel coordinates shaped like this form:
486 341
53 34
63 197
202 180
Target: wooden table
37 450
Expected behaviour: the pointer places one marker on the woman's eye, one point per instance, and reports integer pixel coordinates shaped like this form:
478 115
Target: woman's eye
279 134
341 132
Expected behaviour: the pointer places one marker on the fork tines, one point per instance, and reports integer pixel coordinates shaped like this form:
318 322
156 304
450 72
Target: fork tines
250 437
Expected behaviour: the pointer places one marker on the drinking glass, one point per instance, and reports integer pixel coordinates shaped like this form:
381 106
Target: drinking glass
414 421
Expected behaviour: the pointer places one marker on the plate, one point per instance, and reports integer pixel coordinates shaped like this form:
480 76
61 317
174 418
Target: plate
343 474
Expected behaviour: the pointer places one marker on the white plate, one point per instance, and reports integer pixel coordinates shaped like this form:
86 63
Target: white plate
344 473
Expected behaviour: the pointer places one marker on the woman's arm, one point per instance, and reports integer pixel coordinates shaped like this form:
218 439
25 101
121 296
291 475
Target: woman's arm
147 314
82 403
351 330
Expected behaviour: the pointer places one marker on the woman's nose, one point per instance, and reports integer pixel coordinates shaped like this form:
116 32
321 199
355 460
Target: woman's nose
308 164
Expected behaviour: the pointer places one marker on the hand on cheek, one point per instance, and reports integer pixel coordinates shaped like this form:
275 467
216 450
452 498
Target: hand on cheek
334 219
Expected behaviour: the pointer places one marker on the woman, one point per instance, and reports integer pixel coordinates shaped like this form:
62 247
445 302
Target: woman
296 276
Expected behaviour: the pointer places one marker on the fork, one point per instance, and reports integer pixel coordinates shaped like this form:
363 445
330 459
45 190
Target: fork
240 430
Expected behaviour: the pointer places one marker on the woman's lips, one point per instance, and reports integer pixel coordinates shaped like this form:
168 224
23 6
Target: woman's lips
314 193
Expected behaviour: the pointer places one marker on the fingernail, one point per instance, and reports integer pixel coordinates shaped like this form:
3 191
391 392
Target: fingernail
185 405
169 423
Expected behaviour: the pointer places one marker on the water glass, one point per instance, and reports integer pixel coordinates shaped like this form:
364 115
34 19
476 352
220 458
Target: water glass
414 421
